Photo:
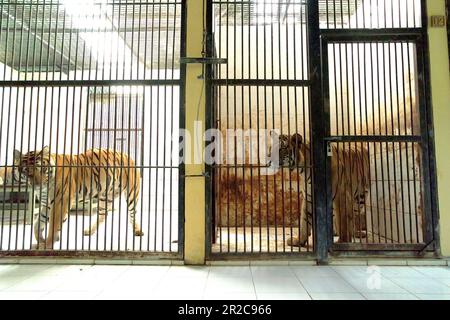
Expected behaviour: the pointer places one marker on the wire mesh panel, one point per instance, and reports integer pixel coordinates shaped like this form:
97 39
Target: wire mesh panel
261 104
90 104
377 134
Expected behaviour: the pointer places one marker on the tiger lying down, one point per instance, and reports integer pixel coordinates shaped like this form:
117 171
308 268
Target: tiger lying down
96 174
350 184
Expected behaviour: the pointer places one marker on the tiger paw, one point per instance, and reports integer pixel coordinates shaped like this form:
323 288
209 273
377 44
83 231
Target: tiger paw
88 232
293 242
138 233
40 246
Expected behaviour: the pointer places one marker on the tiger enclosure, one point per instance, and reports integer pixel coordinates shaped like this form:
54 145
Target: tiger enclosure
90 75
374 125
322 109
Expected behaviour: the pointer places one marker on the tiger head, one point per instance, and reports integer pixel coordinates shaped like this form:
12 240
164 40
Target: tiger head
35 166
291 151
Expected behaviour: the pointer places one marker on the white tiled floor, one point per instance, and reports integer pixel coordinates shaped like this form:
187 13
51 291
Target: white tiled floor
224 282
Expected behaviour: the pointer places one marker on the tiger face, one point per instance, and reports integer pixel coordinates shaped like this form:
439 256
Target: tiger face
291 151
35 166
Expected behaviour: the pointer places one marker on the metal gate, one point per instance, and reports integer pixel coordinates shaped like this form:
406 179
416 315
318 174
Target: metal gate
377 132
80 172
259 100
354 168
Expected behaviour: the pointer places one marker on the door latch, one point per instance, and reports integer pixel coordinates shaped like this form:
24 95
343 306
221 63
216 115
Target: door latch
329 150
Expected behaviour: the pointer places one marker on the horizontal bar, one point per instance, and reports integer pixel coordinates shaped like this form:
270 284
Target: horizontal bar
88 30
261 82
113 130
374 139
288 255
89 83
57 4
186 60
359 35
91 254
92 166
287 3
378 246
249 166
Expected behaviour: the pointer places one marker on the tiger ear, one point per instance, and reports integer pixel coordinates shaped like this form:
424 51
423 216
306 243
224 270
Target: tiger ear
46 150
17 156
297 140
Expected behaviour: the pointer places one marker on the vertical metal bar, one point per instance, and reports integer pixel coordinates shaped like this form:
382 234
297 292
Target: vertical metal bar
250 92
266 125
412 111
9 121
429 201
5 167
151 133
319 129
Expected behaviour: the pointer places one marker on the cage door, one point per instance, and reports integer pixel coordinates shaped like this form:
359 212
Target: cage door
377 148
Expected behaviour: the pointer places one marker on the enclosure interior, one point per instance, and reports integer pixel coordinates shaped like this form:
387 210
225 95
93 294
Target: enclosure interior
373 105
85 74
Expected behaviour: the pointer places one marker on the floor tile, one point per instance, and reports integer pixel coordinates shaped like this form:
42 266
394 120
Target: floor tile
7 282
67 271
327 285
188 271
401 272
278 285
374 284
390 296
272 271
37 283
310 271
283 296
21 295
124 295
444 281
422 285
230 285
177 296
84 283
107 271
434 296
29 270
352 271
434 272
230 271
337 296
69 295
180 285
229 296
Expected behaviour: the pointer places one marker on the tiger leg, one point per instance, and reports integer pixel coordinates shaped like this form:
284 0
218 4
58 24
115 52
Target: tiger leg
41 218
304 234
338 209
132 213
58 212
360 217
39 223
132 196
344 218
103 208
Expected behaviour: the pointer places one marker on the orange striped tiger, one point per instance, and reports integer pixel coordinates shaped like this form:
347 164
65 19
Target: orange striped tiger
350 185
100 174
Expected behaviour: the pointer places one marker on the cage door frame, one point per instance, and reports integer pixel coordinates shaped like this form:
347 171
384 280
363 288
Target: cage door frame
431 243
